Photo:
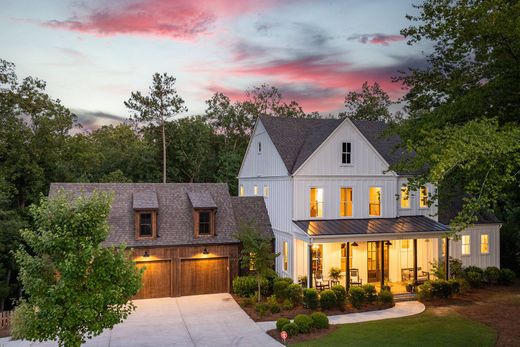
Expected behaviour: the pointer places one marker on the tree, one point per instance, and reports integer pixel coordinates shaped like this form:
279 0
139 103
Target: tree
161 104
371 103
463 106
74 287
257 250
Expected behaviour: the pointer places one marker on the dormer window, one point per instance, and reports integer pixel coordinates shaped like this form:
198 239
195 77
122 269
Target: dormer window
204 211
346 153
145 225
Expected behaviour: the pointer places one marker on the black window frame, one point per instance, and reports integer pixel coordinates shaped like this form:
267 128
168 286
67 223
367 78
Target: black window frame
346 153
206 223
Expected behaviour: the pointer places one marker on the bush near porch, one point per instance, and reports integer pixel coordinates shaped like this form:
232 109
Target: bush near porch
282 298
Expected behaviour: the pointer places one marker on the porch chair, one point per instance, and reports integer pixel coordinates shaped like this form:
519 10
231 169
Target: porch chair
354 278
319 283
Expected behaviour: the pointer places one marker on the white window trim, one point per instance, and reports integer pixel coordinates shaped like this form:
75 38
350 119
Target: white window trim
488 244
309 201
352 203
401 197
380 202
427 196
255 190
462 244
285 256
266 189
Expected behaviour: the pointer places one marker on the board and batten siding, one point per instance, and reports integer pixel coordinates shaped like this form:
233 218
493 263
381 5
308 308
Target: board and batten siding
326 160
415 209
265 163
475 257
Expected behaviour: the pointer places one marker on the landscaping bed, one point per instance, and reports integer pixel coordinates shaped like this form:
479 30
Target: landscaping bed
313 335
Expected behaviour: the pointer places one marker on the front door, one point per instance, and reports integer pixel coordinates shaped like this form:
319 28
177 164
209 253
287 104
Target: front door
374 261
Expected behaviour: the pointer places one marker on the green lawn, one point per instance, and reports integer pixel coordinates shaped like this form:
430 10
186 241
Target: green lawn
425 329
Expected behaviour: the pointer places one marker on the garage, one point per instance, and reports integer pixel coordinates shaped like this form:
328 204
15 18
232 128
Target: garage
157 279
204 276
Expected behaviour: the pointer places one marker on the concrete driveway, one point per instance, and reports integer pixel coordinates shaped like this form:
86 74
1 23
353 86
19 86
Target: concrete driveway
201 320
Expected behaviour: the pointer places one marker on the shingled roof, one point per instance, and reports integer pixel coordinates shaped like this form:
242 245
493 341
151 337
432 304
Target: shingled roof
175 219
297 138
252 210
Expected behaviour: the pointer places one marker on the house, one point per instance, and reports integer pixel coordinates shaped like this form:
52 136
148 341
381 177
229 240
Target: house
333 202
182 234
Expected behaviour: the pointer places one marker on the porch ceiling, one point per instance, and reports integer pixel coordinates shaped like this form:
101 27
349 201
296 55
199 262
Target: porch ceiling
370 226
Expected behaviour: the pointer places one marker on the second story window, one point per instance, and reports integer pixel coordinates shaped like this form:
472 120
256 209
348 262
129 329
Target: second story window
145 224
255 190
405 196
374 206
484 244
204 221
346 153
345 207
466 245
423 201
242 191
316 202
266 191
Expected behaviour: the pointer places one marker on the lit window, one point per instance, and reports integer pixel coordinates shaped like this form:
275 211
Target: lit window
242 191
255 190
443 247
405 197
484 244
266 191
259 147
374 206
344 257
317 259
346 153
345 203
285 256
465 245
423 202
405 244
316 208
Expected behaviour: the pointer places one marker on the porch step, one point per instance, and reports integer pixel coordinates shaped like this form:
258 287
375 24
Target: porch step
405 297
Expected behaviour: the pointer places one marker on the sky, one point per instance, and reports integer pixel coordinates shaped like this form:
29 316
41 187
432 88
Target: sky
93 54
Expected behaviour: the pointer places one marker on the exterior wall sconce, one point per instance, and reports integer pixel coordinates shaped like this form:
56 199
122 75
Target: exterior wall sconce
146 254
354 244
205 251
388 243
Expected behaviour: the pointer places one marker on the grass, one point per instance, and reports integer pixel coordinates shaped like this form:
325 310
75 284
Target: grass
425 329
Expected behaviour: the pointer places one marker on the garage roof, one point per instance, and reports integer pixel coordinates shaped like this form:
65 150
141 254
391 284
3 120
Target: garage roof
201 200
145 200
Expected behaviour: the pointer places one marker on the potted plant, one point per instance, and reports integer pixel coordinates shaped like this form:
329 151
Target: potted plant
302 280
335 274
410 288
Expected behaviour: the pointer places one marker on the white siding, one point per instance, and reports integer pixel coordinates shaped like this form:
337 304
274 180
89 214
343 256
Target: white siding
282 237
266 163
475 257
415 209
327 159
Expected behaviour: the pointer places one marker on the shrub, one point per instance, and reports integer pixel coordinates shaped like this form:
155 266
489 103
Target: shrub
287 304
303 322
455 268
370 292
294 292
281 322
454 285
302 280
385 297
320 320
248 301
356 296
441 288
244 285
310 298
275 308
425 291
262 308
327 299
506 276
272 300
291 329
474 278
472 268
491 274
271 277
280 287
341 296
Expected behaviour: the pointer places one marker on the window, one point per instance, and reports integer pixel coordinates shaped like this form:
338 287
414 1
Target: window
443 247
405 244
345 203
266 191
316 208
346 153
405 196
285 256
344 257
423 202
484 244
317 259
204 222
145 222
374 206
255 190
242 191
465 245
259 147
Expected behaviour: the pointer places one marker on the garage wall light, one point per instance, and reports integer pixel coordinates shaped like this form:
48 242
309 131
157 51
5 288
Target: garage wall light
146 254
205 251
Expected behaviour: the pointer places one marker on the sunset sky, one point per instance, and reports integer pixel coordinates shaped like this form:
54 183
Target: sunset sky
94 53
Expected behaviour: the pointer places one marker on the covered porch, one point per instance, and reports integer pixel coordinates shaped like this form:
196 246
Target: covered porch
399 257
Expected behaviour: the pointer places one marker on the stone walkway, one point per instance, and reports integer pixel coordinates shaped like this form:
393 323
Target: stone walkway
401 309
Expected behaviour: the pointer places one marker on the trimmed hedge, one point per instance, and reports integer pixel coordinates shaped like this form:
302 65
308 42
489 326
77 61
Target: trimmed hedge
310 298
280 286
506 277
294 293
262 308
327 299
385 297
291 329
491 275
287 304
281 322
356 296
304 323
370 292
320 320
441 288
474 278
341 296
425 291
247 286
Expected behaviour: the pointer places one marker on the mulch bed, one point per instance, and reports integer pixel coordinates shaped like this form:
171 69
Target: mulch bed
4 333
314 334
495 306
250 310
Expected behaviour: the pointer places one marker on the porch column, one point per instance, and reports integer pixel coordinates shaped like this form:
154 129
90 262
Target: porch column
447 259
415 261
382 264
309 276
347 275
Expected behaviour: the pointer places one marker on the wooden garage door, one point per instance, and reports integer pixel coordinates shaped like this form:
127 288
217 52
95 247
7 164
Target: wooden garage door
157 279
204 276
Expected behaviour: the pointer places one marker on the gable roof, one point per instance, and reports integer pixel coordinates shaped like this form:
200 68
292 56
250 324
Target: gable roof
252 210
297 138
175 218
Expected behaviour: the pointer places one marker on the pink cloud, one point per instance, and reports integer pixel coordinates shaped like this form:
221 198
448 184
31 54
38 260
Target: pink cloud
179 19
376 39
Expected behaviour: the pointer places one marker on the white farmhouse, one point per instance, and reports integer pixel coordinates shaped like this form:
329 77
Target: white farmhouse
333 202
